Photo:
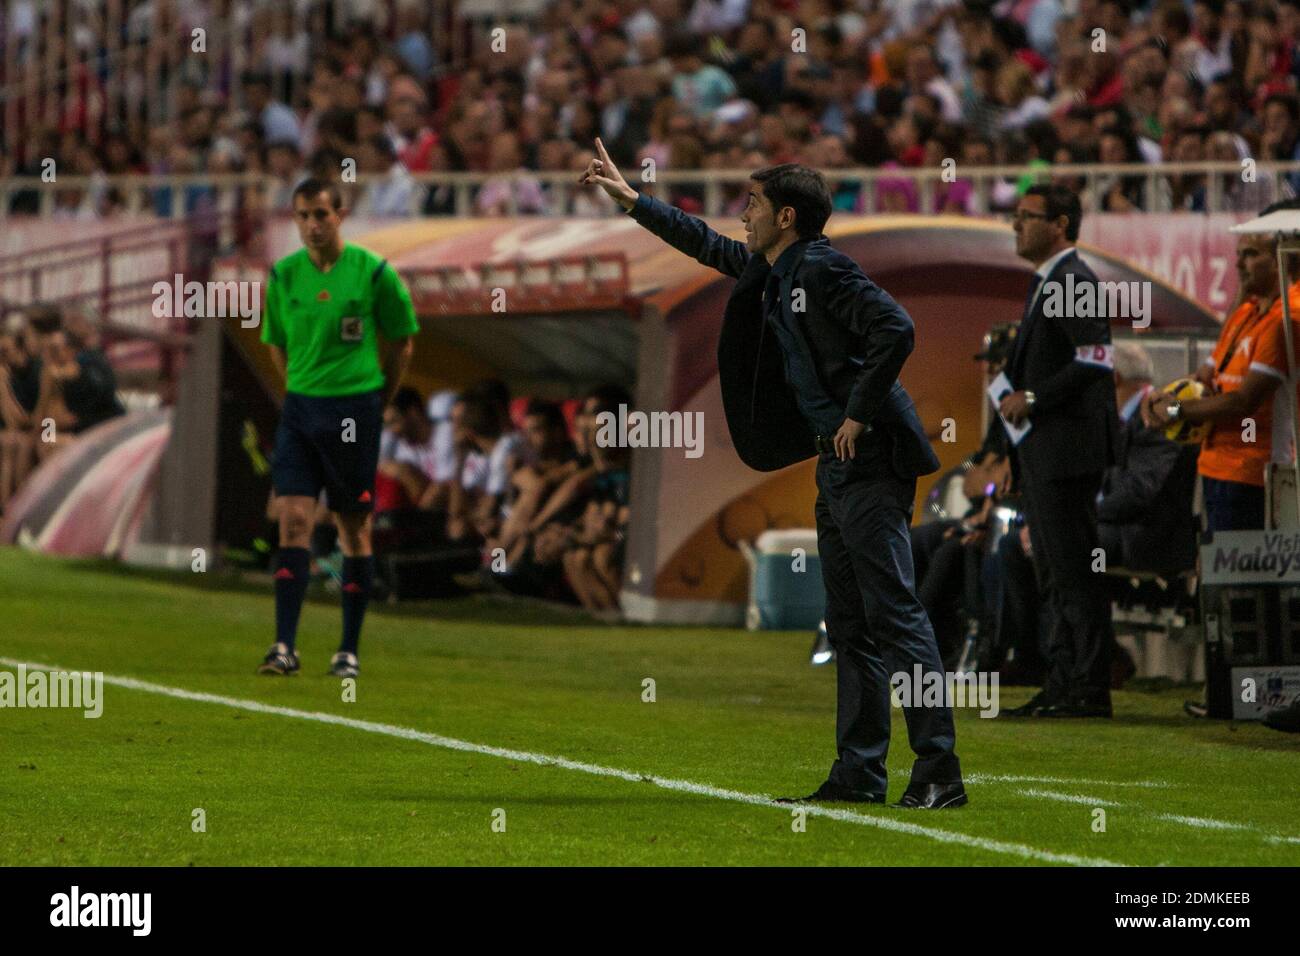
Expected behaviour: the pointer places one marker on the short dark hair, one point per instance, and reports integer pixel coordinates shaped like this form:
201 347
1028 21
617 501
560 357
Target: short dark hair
493 391
1289 102
406 399
609 397
382 145
1061 201
44 318
549 412
312 186
481 417
802 189
683 44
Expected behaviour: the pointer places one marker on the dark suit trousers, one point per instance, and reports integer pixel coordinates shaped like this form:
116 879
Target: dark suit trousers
1062 517
875 621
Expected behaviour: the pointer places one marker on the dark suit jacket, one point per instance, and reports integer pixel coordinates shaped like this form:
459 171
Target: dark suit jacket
1148 496
1060 359
845 315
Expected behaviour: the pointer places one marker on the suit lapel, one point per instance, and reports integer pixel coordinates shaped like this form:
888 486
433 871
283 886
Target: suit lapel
1030 319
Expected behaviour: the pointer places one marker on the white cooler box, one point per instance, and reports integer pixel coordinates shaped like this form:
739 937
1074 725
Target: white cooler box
781 598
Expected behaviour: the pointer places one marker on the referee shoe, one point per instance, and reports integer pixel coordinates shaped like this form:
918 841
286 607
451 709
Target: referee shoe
344 664
279 660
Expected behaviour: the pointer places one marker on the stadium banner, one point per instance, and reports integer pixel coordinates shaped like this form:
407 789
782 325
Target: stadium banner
1251 557
1194 254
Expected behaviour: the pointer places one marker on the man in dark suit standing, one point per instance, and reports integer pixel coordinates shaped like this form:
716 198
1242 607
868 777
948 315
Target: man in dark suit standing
808 362
1062 373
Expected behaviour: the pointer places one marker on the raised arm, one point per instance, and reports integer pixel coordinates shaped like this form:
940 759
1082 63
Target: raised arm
684 233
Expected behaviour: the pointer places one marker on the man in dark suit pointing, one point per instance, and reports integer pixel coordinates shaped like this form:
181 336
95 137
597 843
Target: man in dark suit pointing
808 362
1062 370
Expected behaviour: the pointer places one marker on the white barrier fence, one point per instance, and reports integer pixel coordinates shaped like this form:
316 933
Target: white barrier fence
988 190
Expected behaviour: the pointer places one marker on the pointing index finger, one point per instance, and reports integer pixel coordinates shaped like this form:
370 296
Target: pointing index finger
600 147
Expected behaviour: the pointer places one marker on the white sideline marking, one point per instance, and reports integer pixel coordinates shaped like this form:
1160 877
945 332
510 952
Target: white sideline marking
1072 781
1070 798
1203 823
890 823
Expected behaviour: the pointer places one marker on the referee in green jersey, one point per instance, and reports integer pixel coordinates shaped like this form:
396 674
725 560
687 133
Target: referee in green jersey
339 323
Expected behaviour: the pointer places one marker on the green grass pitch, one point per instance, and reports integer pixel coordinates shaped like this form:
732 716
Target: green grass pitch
740 715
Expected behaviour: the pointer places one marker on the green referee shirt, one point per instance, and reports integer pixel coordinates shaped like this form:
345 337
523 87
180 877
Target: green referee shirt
326 322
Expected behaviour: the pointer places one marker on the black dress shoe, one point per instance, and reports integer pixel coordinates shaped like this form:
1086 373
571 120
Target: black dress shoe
933 796
1094 702
1033 708
830 792
1076 709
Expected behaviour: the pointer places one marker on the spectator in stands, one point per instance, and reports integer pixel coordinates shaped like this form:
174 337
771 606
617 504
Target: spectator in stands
1238 194
594 551
413 45
699 87
507 161
1280 136
554 539
551 459
411 134
1242 375
284 164
20 377
1144 510
490 456
421 465
55 419
1018 97
390 191
277 121
1120 193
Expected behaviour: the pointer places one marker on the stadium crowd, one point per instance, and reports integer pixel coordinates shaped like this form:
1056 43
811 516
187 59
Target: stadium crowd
687 84
55 383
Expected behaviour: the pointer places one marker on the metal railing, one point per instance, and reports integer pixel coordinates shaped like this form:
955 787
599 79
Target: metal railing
991 189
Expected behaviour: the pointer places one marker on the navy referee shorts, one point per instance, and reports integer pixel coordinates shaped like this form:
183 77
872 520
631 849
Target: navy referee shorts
312 450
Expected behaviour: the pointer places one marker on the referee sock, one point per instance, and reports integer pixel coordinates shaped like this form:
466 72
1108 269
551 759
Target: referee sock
291 580
358 577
